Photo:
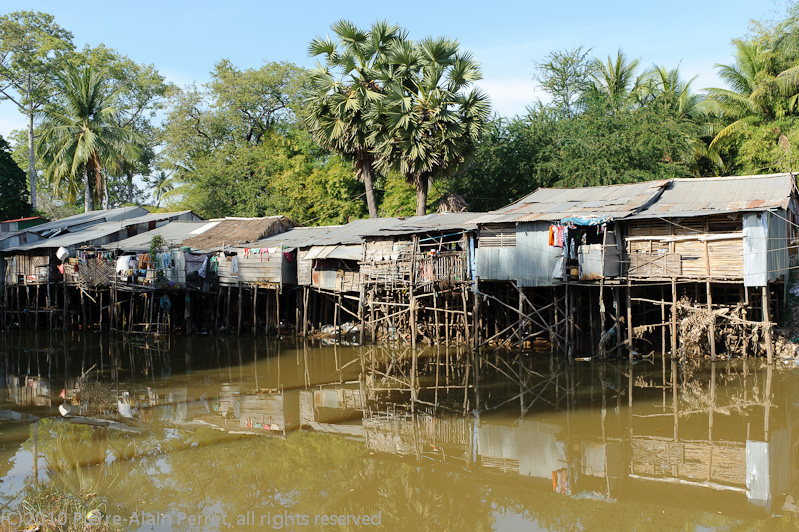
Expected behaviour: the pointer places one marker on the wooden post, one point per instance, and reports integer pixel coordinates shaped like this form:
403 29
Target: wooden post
744 304
228 309
304 311
254 310
266 314
711 329
277 312
36 308
630 319
241 307
673 317
663 328
601 308
767 324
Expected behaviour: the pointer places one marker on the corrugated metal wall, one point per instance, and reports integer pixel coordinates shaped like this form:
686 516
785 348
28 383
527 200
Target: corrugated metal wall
777 245
765 247
530 262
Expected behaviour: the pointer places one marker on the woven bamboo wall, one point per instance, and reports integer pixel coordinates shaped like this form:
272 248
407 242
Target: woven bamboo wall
686 258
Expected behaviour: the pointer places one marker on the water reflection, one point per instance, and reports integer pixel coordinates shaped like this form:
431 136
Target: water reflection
171 427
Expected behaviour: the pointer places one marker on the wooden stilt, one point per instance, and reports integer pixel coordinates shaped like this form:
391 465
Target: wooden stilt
240 309
674 349
767 325
228 309
744 304
255 310
629 317
711 329
277 312
305 311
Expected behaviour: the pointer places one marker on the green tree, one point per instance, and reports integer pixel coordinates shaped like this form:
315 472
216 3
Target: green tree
79 136
428 125
13 186
32 50
605 146
141 95
236 107
616 81
161 184
345 89
565 76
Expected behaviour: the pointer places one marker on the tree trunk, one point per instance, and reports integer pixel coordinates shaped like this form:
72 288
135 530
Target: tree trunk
130 186
370 192
364 168
421 196
87 192
31 158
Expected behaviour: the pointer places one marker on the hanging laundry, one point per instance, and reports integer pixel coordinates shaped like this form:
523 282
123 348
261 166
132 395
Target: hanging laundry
234 265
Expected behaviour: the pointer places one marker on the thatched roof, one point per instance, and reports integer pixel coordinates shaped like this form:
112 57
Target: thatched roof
237 231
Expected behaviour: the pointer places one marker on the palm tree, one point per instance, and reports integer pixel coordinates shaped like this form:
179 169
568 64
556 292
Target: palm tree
344 89
161 184
79 138
661 86
426 125
616 81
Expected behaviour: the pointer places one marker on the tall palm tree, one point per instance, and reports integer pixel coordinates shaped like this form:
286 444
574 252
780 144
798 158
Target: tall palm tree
616 81
344 89
79 138
426 124
161 184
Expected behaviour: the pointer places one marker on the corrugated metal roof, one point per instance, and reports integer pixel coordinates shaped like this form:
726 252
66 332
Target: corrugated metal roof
91 217
92 234
551 204
88 236
685 198
355 231
345 252
431 222
174 233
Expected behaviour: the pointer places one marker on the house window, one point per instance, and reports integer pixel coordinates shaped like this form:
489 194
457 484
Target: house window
498 236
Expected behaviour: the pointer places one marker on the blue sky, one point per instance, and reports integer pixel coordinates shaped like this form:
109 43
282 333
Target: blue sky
185 39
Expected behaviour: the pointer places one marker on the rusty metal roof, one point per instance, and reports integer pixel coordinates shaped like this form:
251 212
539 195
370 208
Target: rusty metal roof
685 198
551 204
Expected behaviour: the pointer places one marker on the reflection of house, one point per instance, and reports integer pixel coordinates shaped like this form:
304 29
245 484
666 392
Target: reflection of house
275 412
443 438
531 448
330 404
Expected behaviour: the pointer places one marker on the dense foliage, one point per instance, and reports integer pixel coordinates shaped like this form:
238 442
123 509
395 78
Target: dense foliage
13 187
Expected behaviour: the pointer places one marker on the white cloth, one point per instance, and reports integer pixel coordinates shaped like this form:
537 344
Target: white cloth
123 263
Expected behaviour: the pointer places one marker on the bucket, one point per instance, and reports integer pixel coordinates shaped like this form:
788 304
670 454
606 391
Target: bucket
62 254
574 272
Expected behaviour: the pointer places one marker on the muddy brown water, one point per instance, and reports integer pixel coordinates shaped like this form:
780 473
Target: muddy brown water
215 433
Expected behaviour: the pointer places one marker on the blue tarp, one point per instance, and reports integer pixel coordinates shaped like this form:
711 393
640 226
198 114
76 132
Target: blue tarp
586 220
